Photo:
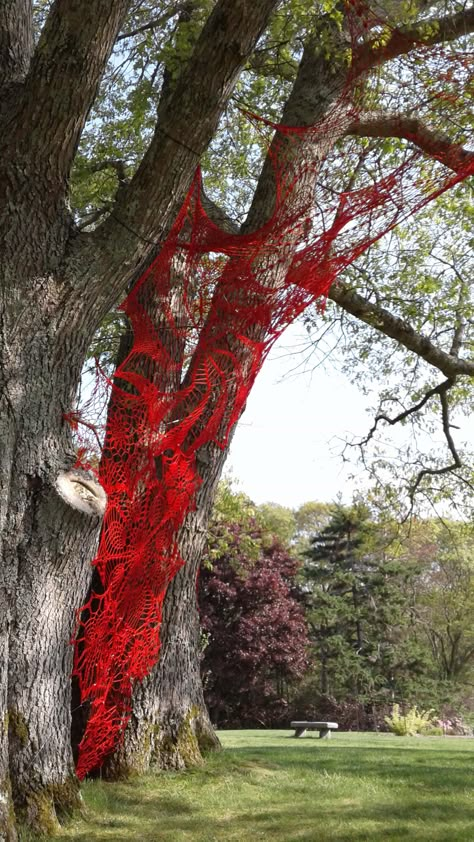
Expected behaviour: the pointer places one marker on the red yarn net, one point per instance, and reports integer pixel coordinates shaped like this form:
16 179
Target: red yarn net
204 317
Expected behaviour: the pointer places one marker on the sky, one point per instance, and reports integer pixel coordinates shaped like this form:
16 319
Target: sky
287 447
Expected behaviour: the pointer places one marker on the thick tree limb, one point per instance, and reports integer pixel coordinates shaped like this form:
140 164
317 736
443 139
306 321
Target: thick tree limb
65 72
147 207
433 143
16 39
405 39
382 320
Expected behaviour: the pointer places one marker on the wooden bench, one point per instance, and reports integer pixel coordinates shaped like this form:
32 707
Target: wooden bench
324 728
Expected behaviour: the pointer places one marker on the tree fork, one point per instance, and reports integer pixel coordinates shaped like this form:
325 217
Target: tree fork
58 284
168 707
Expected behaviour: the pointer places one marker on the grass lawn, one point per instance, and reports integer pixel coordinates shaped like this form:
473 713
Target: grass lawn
268 786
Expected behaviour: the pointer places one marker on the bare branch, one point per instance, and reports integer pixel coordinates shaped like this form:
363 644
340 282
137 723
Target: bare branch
456 463
160 20
441 390
403 40
433 143
382 320
412 410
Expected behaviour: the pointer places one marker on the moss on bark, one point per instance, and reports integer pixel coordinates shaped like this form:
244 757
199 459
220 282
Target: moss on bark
162 746
207 738
184 749
7 818
43 809
17 727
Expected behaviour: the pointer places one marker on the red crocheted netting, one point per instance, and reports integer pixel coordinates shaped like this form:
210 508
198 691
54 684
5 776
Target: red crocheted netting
204 316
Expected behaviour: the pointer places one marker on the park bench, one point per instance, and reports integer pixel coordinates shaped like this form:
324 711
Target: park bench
324 728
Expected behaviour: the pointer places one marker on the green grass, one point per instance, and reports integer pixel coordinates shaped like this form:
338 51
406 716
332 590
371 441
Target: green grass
268 786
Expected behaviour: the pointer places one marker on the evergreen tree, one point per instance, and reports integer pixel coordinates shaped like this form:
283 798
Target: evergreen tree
358 608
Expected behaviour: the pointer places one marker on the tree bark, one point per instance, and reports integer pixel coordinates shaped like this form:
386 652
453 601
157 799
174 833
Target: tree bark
48 536
170 726
16 40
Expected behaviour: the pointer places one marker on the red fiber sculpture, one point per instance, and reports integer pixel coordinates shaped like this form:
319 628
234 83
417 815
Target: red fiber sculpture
204 317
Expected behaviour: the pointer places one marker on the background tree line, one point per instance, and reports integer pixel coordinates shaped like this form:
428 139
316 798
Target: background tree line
332 610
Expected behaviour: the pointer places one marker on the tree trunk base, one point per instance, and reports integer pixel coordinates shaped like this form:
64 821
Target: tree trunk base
7 814
41 810
183 744
173 743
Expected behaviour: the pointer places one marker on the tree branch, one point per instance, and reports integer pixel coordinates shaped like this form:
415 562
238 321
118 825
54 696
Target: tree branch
147 207
460 326
93 216
65 72
433 143
160 20
16 40
218 215
403 40
382 320
442 390
117 164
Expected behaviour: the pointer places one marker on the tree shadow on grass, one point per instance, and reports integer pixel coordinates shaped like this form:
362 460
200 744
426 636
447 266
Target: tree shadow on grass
449 772
428 822
337 822
294 793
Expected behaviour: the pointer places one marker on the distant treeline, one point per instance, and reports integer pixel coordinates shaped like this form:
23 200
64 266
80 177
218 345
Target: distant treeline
331 610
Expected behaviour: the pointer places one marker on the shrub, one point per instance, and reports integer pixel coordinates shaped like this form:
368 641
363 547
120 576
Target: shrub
433 731
455 727
411 723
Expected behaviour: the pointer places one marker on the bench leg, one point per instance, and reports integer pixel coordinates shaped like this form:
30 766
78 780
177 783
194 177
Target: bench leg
324 734
300 732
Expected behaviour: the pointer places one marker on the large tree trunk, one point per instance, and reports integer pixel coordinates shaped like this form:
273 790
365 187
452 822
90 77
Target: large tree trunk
56 285
47 527
48 533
